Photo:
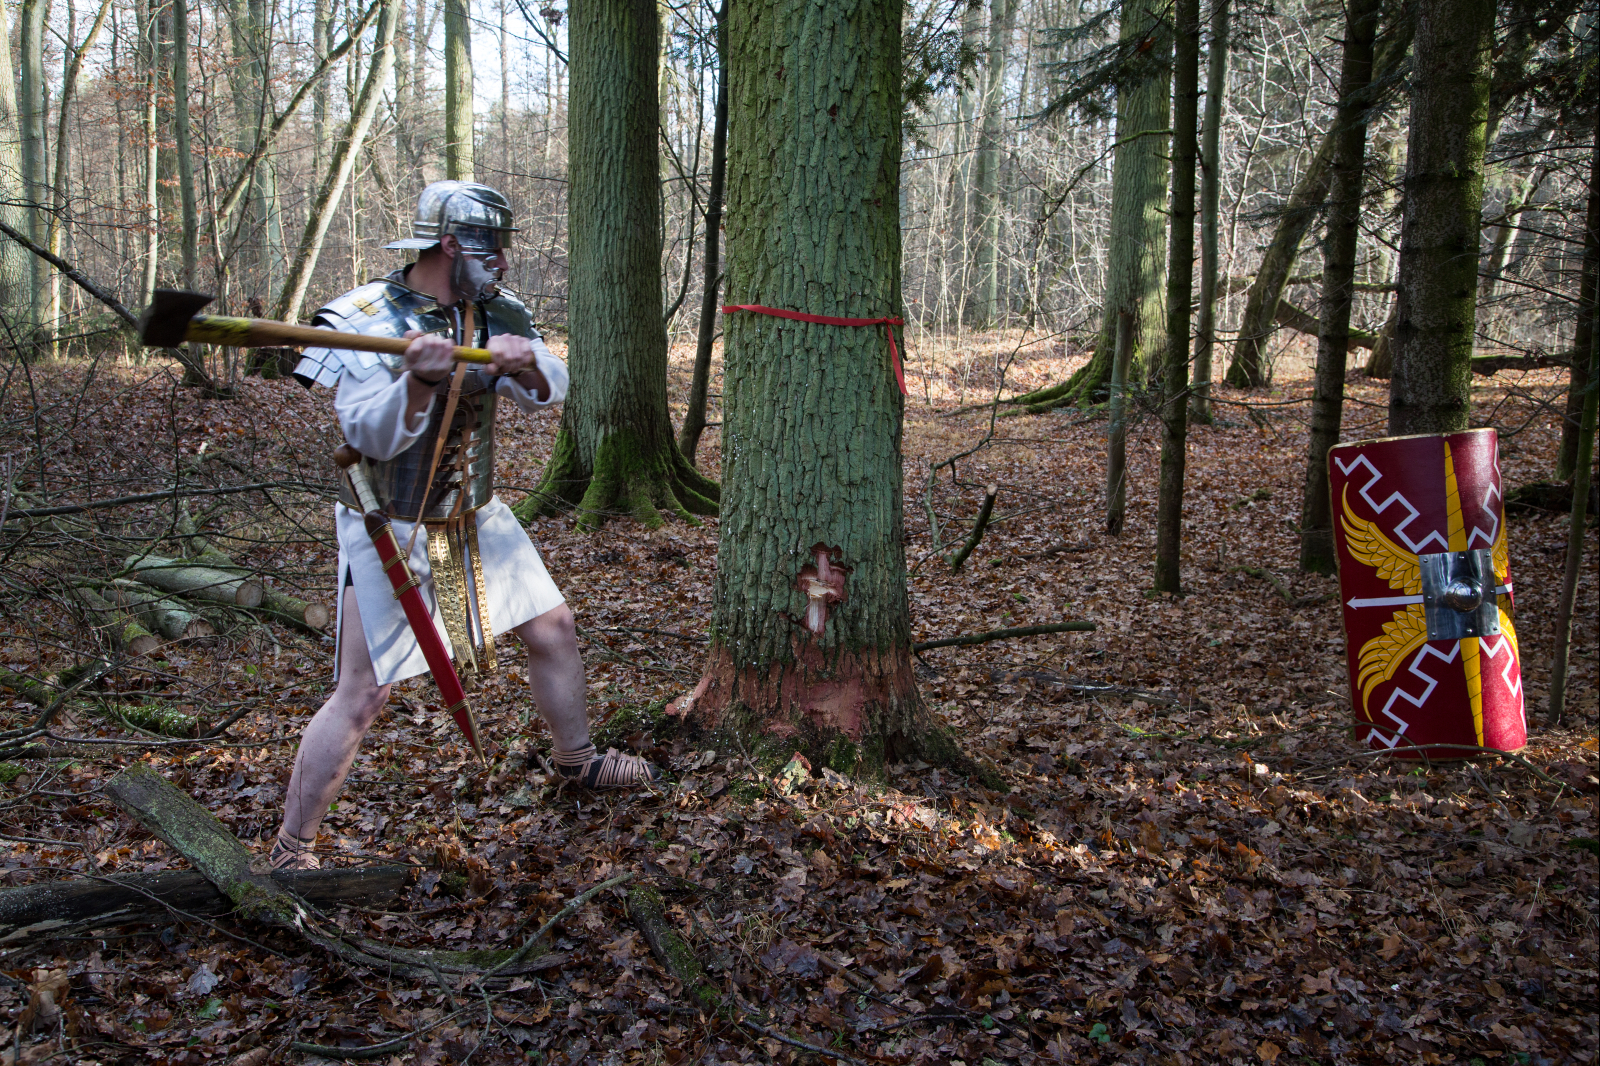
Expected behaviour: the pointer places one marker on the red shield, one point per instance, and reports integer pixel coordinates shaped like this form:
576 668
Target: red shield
1425 580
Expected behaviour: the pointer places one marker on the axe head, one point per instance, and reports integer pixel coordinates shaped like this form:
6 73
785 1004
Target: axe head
165 323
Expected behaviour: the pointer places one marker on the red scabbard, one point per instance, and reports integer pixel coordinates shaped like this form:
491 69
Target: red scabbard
408 592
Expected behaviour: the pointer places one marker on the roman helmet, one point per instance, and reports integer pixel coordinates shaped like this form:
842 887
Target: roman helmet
478 216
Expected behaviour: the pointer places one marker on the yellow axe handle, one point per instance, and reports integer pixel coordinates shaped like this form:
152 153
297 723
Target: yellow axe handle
264 333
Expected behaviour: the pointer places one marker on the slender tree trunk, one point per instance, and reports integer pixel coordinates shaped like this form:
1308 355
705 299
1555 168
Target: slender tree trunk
1117 428
16 266
321 34
62 172
1248 369
1136 253
985 307
1210 202
1521 195
694 419
812 639
458 162
1180 291
148 43
1580 383
961 173
35 184
1338 280
1577 526
180 135
1431 389
340 165
615 452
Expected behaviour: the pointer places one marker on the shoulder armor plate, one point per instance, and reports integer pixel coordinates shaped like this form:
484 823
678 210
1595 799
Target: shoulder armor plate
380 308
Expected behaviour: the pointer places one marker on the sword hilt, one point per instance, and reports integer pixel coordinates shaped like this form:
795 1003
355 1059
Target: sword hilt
349 460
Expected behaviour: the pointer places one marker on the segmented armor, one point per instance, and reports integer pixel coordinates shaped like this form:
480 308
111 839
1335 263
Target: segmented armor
387 307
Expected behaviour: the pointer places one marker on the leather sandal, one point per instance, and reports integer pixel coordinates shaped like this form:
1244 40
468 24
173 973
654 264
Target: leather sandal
290 852
614 769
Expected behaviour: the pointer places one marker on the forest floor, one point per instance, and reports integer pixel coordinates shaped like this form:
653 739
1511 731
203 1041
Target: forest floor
1193 860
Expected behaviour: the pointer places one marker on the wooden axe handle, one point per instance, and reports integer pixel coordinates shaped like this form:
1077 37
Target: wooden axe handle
263 333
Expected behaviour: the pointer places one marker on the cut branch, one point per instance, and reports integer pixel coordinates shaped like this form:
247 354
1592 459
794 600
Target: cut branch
978 527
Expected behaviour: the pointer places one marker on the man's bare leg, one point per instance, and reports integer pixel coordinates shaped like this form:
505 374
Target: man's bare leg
329 744
555 674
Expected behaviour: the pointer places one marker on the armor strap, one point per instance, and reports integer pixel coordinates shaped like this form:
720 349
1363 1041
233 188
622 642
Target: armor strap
456 377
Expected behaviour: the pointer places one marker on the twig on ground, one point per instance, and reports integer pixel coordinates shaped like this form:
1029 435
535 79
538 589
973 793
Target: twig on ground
1062 548
1005 634
1283 590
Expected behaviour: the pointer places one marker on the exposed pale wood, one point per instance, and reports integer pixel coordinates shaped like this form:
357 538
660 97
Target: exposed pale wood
195 582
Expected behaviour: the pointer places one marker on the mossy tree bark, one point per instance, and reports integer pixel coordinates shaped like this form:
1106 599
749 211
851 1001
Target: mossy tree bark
1338 279
1431 387
615 451
811 635
1136 259
1180 288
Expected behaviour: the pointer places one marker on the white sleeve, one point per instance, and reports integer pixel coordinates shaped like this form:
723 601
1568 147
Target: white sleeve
554 371
372 414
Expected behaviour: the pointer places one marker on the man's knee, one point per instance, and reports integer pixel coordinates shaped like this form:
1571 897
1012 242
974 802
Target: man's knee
552 633
365 700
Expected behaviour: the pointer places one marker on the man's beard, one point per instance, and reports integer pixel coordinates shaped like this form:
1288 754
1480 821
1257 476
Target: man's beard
470 278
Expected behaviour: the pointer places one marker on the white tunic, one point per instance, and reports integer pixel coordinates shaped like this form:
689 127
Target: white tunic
371 411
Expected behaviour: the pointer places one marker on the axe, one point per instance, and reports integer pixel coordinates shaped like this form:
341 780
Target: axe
173 318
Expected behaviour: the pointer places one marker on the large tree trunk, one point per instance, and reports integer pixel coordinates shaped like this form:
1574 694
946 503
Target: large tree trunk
1248 369
1136 252
16 265
458 163
1338 280
812 636
1180 288
694 418
615 451
1431 388
985 309
339 168
1210 202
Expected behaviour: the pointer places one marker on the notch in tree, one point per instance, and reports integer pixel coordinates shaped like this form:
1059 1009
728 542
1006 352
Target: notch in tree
811 645
1140 69
1431 388
1338 280
615 452
1180 287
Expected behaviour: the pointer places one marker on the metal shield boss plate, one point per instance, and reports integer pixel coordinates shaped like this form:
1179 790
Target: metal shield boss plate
1425 584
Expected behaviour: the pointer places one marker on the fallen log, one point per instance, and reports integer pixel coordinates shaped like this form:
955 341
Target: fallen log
195 582
1292 317
275 604
81 903
669 947
126 632
167 616
1490 365
193 832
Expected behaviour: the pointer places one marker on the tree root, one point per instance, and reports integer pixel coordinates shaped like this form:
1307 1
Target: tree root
628 478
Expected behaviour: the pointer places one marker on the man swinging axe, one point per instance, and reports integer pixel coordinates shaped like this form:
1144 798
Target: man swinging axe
423 426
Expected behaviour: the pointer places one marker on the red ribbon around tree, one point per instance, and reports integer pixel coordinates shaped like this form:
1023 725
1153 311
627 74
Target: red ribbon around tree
888 325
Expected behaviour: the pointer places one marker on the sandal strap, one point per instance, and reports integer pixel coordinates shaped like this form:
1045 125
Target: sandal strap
614 769
290 852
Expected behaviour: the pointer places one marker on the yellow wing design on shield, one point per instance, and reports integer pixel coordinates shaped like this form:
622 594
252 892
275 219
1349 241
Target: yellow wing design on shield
1382 655
1369 545
1500 553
